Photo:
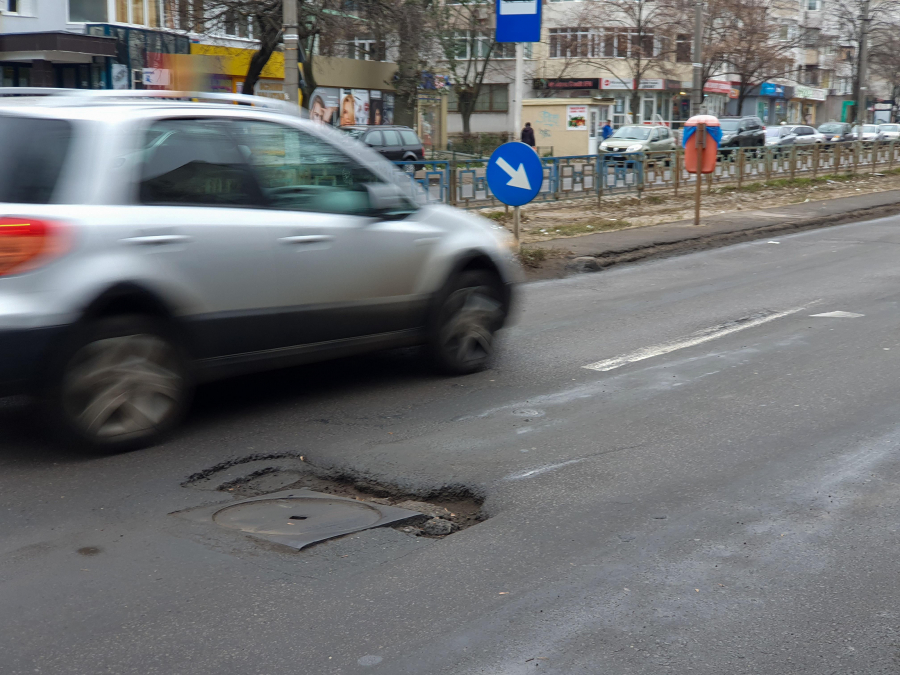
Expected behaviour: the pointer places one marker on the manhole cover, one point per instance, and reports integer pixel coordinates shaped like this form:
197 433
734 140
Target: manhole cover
298 518
302 516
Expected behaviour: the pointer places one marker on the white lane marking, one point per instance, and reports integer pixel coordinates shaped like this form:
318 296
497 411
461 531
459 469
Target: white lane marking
543 469
838 315
697 338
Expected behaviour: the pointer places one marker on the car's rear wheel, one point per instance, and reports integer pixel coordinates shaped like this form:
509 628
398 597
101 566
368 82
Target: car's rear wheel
469 312
121 383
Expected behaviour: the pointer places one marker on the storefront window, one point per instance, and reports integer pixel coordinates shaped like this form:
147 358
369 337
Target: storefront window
137 12
122 11
9 76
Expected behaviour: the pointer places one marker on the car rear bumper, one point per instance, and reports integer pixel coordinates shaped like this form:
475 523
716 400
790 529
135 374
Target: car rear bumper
22 353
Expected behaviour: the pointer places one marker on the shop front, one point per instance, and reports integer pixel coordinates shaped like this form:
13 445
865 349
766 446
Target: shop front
654 102
767 101
56 59
804 106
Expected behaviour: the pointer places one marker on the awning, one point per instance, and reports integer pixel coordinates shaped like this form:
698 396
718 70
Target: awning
57 47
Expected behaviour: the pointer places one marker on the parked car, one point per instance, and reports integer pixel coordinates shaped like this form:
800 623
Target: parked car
836 132
793 134
638 138
398 144
742 132
889 132
148 245
868 132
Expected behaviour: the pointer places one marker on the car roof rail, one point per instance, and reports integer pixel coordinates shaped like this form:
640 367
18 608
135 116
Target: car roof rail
94 96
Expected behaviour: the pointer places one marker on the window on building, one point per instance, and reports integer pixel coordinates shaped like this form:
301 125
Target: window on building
683 48
507 50
570 43
491 98
811 37
12 6
813 5
85 10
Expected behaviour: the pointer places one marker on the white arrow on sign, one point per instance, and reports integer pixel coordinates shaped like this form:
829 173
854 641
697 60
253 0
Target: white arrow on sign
517 177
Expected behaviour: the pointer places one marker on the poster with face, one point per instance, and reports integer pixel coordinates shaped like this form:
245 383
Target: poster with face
361 105
325 104
348 108
387 108
376 112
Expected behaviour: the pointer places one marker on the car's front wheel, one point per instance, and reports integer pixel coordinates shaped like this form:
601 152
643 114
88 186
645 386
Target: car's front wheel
469 312
121 383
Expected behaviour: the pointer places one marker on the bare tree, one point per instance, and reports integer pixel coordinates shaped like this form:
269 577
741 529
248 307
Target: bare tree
846 18
885 59
467 46
624 40
263 21
760 46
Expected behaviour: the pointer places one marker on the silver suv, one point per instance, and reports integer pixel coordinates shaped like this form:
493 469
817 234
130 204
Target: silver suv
147 245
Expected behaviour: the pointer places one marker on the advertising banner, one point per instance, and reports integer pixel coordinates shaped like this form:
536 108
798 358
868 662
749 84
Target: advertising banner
376 111
325 104
361 105
387 108
576 117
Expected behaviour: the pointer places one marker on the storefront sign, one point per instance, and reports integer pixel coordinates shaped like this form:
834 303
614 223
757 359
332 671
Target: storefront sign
810 93
576 117
734 93
771 89
717 87
884 106
566 83
652 84
616 83
156 77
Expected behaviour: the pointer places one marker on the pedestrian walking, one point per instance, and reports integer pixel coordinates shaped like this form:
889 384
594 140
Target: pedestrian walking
528 135
607 130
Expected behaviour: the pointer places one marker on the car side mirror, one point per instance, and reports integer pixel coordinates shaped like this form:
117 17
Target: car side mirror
386 199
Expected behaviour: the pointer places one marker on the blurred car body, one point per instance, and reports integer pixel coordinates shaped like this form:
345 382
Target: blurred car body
148 245
836 132
889 132
638 138
742 132
396 143
868 132
793 134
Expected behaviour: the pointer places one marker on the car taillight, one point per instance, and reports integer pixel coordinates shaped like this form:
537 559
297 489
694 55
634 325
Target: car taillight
26 243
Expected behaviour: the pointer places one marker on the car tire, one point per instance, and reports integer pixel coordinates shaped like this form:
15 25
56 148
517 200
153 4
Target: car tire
119 384
467 314
408 167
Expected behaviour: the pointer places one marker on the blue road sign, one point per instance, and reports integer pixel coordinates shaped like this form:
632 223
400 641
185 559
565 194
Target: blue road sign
515 173
518 21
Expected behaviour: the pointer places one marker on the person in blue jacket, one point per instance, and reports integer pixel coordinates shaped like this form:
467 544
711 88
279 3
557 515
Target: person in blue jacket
607 130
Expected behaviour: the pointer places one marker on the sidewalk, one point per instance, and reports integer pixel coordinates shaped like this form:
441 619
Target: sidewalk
591 252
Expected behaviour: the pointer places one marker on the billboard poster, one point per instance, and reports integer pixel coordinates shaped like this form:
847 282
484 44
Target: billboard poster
376 112
324 105
348 108
361 105
387 108
576 117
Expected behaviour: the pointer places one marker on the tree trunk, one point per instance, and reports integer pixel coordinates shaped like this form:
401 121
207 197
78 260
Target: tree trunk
260 58
408 76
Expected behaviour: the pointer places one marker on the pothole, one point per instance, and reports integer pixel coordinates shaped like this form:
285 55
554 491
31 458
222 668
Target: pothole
436 512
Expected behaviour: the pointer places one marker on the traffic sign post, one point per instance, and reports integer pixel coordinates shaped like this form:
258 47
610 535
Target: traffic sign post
514 175
702 134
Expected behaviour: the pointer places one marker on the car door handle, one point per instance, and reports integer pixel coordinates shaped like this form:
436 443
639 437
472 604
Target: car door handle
158 239
306 239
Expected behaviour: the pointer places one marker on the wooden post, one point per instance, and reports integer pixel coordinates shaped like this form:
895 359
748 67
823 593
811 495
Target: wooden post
891 158
767 160
793 161
857 145
816 154
740 168
452 182
699 143
601 179
677 169
874 155
837 158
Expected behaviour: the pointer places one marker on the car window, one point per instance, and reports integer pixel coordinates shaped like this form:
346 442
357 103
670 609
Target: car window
195 162
391 137
374 139
632 133
29 170
804 131
301 172
409 137
729 125
655 135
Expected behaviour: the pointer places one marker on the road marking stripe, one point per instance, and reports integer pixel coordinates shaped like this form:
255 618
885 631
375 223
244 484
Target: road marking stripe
838 315
697 338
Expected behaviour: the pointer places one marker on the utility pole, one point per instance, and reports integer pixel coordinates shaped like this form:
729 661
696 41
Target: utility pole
861 104
519 91
697 91
291 44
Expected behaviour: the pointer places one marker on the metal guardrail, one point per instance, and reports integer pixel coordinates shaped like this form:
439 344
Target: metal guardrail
463 182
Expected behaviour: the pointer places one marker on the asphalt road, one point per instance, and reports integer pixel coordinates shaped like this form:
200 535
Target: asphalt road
730 503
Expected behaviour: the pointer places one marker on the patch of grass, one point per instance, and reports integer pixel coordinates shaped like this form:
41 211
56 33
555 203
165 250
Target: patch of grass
586 227
655 200
532 257
497 216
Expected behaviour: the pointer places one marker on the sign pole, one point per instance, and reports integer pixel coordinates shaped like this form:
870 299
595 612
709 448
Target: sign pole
700 143
519 91
516 226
